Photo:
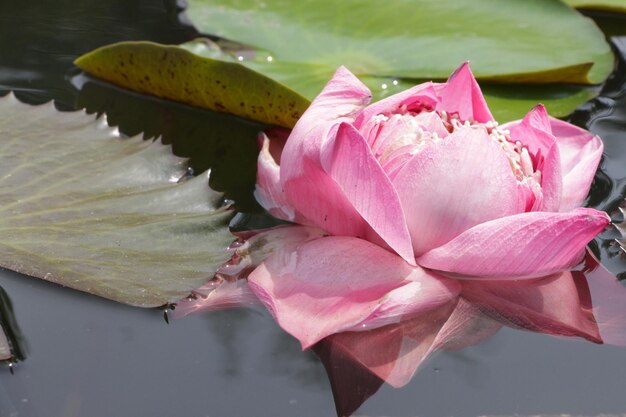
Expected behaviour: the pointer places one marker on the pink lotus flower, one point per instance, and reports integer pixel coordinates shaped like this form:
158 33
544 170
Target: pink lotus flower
413 190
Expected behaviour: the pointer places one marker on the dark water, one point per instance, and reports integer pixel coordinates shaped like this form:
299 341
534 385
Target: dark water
90 357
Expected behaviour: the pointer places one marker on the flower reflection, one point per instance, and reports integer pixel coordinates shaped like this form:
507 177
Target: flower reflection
587 302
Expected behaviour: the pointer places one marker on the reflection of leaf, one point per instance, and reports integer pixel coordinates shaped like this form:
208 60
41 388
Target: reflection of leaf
86 209
607 5
5 349
175 73
12 347
528 41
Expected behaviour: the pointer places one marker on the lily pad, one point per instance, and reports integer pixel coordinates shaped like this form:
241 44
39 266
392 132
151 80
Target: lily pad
216 141
84 208
177 74
507 101
602 5
530 41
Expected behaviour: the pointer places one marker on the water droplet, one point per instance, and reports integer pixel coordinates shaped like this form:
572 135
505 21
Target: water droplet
384 86
395 82
239 58
269 58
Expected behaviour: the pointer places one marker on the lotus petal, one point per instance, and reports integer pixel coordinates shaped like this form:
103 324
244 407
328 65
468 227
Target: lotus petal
349 161
456 165
334 284
524 245
461 95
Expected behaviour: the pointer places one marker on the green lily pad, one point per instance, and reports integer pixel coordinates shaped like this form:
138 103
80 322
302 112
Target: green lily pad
216 141
530 41
177 74
84 208
506 101
602 5
512 102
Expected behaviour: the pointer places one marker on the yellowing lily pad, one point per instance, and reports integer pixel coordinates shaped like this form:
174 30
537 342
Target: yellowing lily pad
602 5
177 74
84 208
529 41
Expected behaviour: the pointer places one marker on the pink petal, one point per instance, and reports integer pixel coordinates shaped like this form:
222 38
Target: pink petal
535 133
268 191
467 326
216 295
432 122
278 138
229 288
519 246
556 305
420 294
349 161
580 153
461 94
415 99
258 247
394 137
607 298
447 188
307 187
351 382
390 132
395 352
340 100
333 284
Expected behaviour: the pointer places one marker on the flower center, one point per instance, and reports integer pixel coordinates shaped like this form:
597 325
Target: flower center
394 139
407 133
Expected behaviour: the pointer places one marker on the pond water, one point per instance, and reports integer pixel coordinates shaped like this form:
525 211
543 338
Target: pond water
87 356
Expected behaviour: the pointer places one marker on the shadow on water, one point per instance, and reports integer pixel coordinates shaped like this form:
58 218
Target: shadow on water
89 356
